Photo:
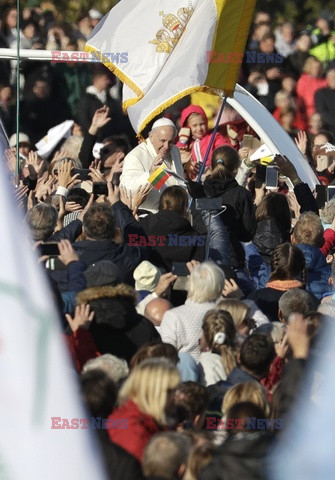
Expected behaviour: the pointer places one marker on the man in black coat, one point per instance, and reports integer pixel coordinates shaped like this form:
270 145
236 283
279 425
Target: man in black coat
95 97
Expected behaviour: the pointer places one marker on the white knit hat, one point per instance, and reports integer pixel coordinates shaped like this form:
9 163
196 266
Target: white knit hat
146 276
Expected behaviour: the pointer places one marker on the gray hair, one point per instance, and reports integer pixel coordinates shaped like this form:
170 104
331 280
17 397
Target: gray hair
206 283
72 146
164 455
116 368
295 300
328 212
42 221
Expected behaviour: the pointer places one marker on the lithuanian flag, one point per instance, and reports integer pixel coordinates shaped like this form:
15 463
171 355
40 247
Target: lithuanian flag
159 178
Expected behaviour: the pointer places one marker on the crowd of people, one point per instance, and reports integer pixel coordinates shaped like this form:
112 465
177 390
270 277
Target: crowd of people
192 303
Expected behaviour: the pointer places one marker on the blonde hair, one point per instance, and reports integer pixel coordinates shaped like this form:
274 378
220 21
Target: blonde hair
309 230
148 386
220 321
328 212
252 392
237 309
206 283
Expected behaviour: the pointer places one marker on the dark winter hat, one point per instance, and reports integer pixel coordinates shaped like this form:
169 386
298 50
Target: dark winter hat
102 273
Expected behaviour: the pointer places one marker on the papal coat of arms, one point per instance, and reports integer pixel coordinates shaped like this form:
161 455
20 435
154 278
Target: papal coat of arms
168 37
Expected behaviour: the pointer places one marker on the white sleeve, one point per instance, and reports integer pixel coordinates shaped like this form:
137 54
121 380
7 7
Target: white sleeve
168 328
255 313
134 173
242 174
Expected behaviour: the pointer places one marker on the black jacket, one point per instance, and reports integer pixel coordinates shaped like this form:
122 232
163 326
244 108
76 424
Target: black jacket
172 225
239 217
117 328
88 105
241 457
268 236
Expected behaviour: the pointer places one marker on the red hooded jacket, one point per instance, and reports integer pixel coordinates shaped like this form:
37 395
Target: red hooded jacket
219 140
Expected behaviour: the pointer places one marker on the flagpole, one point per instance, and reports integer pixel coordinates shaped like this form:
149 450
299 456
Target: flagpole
17 165
202 169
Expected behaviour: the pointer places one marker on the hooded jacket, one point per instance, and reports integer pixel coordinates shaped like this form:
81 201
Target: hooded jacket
173 226
117 328
242 456
318 271
239 216
219 140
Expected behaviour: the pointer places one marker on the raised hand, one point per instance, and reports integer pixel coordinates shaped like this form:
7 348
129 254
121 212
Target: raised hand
82 317
67 252
301 141
99 120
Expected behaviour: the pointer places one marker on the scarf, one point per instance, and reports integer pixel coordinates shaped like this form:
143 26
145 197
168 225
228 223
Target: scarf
284 285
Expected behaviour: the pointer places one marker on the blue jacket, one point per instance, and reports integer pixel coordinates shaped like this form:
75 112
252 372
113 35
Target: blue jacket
318 271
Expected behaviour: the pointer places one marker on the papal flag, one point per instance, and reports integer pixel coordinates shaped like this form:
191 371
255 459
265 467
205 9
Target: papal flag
165 49
38 387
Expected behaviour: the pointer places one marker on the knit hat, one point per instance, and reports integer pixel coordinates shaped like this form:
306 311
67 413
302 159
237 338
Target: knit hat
102 273
146 276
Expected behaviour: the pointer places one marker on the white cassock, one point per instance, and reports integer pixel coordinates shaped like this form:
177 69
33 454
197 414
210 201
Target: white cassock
136 168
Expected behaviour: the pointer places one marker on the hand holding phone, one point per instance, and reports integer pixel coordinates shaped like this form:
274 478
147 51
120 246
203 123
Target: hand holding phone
271 178
50 249
180 269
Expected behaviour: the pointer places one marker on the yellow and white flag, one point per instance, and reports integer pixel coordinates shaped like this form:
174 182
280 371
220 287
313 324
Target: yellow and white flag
163 50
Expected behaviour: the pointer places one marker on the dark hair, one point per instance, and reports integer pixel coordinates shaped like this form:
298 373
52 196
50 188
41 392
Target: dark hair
224 161
329 136
257 354
268 36
275 205
288 263
193 398
99 392
78 195
174 198
99 222
243 411
165 350
116 141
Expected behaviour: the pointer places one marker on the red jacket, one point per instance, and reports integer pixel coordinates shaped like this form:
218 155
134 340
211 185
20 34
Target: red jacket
219 140
132 429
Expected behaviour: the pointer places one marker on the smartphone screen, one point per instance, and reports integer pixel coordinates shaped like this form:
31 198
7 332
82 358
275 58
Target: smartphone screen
100 188
83 173
50 249
208 203
330 192
247 141
260 176
180 269
271 178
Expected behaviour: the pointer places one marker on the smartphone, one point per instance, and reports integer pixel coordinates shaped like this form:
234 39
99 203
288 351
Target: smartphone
180 269
247 141
116 179
83 173
330 192
321 195
49 248
260 176
208 203
322 162
100 188
271 178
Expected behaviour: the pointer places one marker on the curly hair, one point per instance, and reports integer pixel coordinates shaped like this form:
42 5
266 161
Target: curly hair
309 230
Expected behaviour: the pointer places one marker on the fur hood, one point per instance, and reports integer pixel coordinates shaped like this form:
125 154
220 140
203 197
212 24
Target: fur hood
114 307
107 291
